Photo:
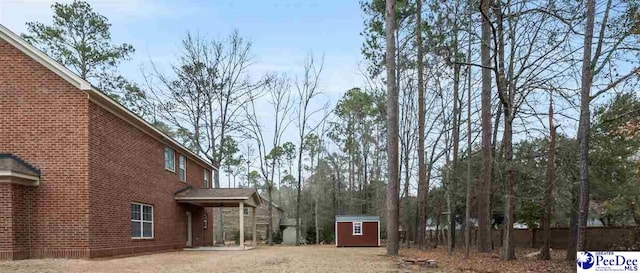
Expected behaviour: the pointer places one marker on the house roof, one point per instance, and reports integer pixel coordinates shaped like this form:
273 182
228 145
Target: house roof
266 203
351 218
95 95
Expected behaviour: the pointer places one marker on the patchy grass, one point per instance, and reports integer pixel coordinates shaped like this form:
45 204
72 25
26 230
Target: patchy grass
490 262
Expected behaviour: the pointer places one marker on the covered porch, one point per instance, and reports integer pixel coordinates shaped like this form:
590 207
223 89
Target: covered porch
225 198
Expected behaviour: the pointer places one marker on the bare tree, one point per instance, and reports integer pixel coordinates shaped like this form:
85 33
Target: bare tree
307 88
528 46
278 96
204 94
603 69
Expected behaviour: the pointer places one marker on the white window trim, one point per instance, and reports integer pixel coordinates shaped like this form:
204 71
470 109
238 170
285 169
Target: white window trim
141 221
207 179
354 228
184 159
173 169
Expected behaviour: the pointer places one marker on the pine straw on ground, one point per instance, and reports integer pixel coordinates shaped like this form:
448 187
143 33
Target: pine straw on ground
490 262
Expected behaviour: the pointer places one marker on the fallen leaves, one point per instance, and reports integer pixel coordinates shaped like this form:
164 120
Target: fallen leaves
491 263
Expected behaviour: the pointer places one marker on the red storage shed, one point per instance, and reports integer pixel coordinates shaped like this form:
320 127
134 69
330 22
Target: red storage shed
357 231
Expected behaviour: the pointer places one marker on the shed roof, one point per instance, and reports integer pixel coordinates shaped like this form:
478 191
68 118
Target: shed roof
351 218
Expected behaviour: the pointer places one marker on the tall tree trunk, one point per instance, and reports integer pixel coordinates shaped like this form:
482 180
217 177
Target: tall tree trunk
365 192
551 177
506 93
573 223
279 188
298 190
508 247
438 212
392 133
583 127
422 175
270 218
484 206
351 171
456 141
467 209
449 192
270 195
316 221
407 177
218 211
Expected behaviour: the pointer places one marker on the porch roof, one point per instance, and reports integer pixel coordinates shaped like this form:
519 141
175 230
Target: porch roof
220 197
15 170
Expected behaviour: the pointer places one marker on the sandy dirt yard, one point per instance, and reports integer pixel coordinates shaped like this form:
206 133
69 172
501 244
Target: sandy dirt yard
306 259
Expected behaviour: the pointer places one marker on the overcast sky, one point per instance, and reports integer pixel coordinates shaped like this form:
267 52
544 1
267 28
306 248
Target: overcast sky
282 31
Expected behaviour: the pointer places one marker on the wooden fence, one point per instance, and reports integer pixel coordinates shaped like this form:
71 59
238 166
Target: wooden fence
598 238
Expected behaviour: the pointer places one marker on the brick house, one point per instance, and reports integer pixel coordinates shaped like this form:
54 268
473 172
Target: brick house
230 221
83 177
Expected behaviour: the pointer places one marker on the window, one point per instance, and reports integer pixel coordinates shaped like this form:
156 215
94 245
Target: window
205 221
141 221
246 211
169 159
183 169
206 178
357 228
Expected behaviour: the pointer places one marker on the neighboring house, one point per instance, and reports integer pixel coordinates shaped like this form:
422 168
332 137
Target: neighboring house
230 221
81 176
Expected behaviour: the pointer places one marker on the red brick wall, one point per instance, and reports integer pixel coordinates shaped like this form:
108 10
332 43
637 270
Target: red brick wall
43 120
21 208
369 235
126 166
208 232
6 222
49 123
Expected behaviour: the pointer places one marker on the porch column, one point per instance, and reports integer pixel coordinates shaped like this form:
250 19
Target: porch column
255 242
213 227
241 213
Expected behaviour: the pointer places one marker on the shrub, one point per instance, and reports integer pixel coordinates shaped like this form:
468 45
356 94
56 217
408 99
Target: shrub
247 235
277 237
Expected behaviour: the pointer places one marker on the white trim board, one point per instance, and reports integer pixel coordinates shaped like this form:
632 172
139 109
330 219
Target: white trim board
22 179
